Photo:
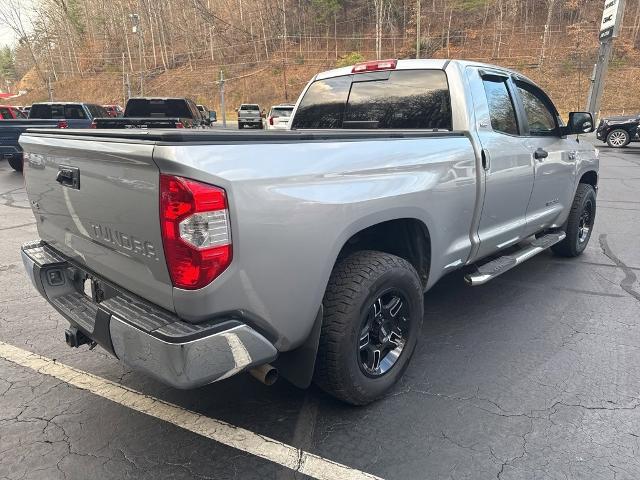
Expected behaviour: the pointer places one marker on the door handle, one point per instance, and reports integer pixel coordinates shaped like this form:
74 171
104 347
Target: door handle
540 154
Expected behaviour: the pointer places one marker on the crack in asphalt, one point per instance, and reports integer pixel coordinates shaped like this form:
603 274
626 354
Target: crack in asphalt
18 226
629 276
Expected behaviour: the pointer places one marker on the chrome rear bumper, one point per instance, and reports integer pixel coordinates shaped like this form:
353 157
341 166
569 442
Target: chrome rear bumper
141 335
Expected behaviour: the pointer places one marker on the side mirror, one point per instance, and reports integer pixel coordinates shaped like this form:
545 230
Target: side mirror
580 122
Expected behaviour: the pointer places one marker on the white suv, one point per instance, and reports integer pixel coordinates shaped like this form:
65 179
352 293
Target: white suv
278 118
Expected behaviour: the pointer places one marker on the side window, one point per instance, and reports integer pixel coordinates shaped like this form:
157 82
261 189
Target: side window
5 114
540 114
501 109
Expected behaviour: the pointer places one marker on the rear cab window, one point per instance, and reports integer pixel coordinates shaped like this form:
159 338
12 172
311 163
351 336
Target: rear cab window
250 107
397 99
57 111
158 108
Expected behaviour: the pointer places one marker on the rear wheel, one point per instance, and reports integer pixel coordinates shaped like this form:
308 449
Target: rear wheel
373 310
618 138
580 223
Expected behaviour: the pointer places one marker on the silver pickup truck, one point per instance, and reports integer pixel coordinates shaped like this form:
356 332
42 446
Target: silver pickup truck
195 255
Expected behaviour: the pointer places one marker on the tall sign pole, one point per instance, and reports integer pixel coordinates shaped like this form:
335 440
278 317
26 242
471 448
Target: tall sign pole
609 29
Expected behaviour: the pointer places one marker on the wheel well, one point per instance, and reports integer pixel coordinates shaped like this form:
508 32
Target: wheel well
406 238
590 178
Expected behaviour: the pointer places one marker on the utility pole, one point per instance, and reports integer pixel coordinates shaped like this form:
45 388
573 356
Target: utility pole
137 29
609 29
417 28
49 89
222 107
284 48
125 82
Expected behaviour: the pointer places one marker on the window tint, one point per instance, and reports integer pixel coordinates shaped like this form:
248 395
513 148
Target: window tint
323 104
5 114
408 99
249 107
501 111
542 120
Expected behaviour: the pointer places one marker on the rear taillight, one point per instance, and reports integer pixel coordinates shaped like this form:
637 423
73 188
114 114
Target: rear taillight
94 124
270 120
374 66
63 124
179 125
196 232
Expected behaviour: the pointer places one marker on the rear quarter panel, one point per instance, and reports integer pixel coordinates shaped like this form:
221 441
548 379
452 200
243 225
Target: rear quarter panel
294 205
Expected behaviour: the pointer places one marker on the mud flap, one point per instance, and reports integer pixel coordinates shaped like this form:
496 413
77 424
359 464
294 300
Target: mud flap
297 365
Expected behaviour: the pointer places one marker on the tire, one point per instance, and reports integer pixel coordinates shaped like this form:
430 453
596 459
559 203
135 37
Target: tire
577 238
16 163
344 368
618 138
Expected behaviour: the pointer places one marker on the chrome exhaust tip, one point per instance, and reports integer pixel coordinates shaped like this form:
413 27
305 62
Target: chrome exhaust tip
266 374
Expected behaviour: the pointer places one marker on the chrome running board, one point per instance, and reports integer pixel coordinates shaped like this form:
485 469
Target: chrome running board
492 269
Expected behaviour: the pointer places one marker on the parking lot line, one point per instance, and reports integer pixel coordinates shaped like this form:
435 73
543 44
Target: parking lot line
219 431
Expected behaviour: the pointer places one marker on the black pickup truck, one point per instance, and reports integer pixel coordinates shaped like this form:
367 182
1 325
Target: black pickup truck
155 113
10 131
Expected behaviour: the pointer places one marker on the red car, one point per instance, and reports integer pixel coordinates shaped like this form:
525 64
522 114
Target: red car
9 112
113 110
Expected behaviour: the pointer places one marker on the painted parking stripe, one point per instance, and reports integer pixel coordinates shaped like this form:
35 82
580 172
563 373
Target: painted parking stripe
222 432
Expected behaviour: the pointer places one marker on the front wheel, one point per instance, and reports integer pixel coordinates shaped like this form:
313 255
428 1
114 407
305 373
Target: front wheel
373 310
618 138
579 225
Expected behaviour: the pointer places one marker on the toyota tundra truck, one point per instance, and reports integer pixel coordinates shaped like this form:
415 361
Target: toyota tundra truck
195 255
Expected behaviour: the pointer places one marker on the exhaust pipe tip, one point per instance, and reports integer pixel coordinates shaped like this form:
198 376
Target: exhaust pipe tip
266 374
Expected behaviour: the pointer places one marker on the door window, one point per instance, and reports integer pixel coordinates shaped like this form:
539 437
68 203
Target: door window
540 114
501 109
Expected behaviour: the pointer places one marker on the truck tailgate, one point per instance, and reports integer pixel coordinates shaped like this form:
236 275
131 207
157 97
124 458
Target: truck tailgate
98 203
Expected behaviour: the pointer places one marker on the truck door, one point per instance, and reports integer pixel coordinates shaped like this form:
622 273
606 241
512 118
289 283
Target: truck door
507 164
554 159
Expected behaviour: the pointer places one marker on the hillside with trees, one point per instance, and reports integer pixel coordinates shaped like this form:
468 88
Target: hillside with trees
268 49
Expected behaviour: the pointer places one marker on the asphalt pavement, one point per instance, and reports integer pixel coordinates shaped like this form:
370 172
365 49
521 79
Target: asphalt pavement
535 375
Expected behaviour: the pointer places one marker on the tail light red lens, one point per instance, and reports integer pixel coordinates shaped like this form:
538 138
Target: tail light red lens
94 124
63 124
179 125
196 232
270 120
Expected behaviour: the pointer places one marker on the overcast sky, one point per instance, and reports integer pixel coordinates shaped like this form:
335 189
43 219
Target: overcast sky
7 37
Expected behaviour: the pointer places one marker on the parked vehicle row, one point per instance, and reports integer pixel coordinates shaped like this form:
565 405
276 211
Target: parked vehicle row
146 112
406 171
